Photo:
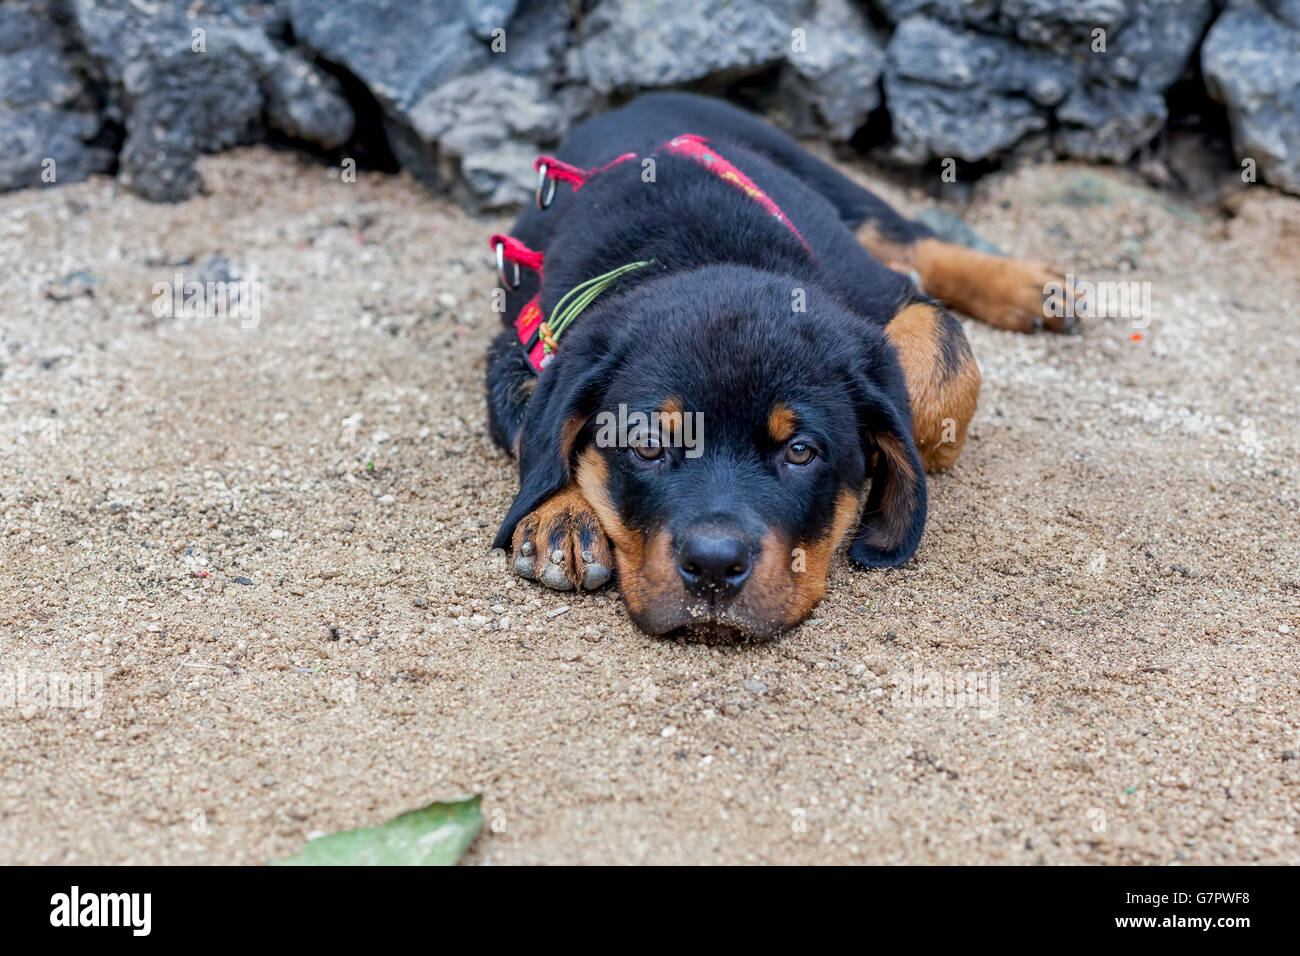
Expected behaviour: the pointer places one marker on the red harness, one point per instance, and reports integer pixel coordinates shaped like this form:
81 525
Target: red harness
537 340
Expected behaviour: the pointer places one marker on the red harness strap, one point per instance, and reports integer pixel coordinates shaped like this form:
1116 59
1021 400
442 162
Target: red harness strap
518 253
693 147
557 169
536 338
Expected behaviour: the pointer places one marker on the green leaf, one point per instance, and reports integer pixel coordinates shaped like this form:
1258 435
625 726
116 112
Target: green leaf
435 835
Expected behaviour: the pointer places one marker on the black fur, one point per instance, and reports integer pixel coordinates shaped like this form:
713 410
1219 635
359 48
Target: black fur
712 323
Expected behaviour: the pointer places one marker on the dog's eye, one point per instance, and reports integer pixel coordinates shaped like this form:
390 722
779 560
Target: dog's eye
800 453
647 448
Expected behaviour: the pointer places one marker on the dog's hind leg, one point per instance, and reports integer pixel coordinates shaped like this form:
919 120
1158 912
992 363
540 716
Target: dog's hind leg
943 381
1017 294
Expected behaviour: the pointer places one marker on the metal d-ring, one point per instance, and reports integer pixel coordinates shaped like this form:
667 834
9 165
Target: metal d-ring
501 268
545 188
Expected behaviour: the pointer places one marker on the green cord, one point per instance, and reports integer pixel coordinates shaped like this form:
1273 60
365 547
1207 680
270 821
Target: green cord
576 300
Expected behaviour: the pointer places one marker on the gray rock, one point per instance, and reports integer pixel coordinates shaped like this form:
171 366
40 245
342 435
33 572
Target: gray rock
487 16
400 49
304 102
23 25
832 55
182 86
457 113
48 121
833 83
489 124
538 36
46 145
178 104
965 95
1251 62
1061 24
639 44
966 12
972 80
1288 11
1151 46
36 75
1105 123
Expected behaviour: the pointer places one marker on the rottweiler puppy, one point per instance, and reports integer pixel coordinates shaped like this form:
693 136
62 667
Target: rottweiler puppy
745 360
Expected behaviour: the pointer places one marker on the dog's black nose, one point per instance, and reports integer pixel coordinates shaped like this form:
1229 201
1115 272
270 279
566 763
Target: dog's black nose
714 562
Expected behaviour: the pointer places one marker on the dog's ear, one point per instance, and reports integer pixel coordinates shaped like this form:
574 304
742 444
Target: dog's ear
566 396
894 515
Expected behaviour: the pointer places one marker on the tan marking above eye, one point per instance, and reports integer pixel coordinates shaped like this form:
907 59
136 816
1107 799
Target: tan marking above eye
672 405
781 422
671 417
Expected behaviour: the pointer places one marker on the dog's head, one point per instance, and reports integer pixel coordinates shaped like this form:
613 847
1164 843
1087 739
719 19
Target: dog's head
729 428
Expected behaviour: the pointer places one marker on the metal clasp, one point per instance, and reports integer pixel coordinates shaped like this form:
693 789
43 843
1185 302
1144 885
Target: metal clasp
501 268
545 188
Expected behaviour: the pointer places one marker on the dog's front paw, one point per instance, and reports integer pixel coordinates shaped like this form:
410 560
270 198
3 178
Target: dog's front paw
562 545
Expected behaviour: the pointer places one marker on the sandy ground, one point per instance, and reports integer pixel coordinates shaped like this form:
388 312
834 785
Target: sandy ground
264 553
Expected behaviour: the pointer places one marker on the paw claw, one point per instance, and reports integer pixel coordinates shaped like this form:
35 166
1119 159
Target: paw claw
553 577
597 576
524 566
